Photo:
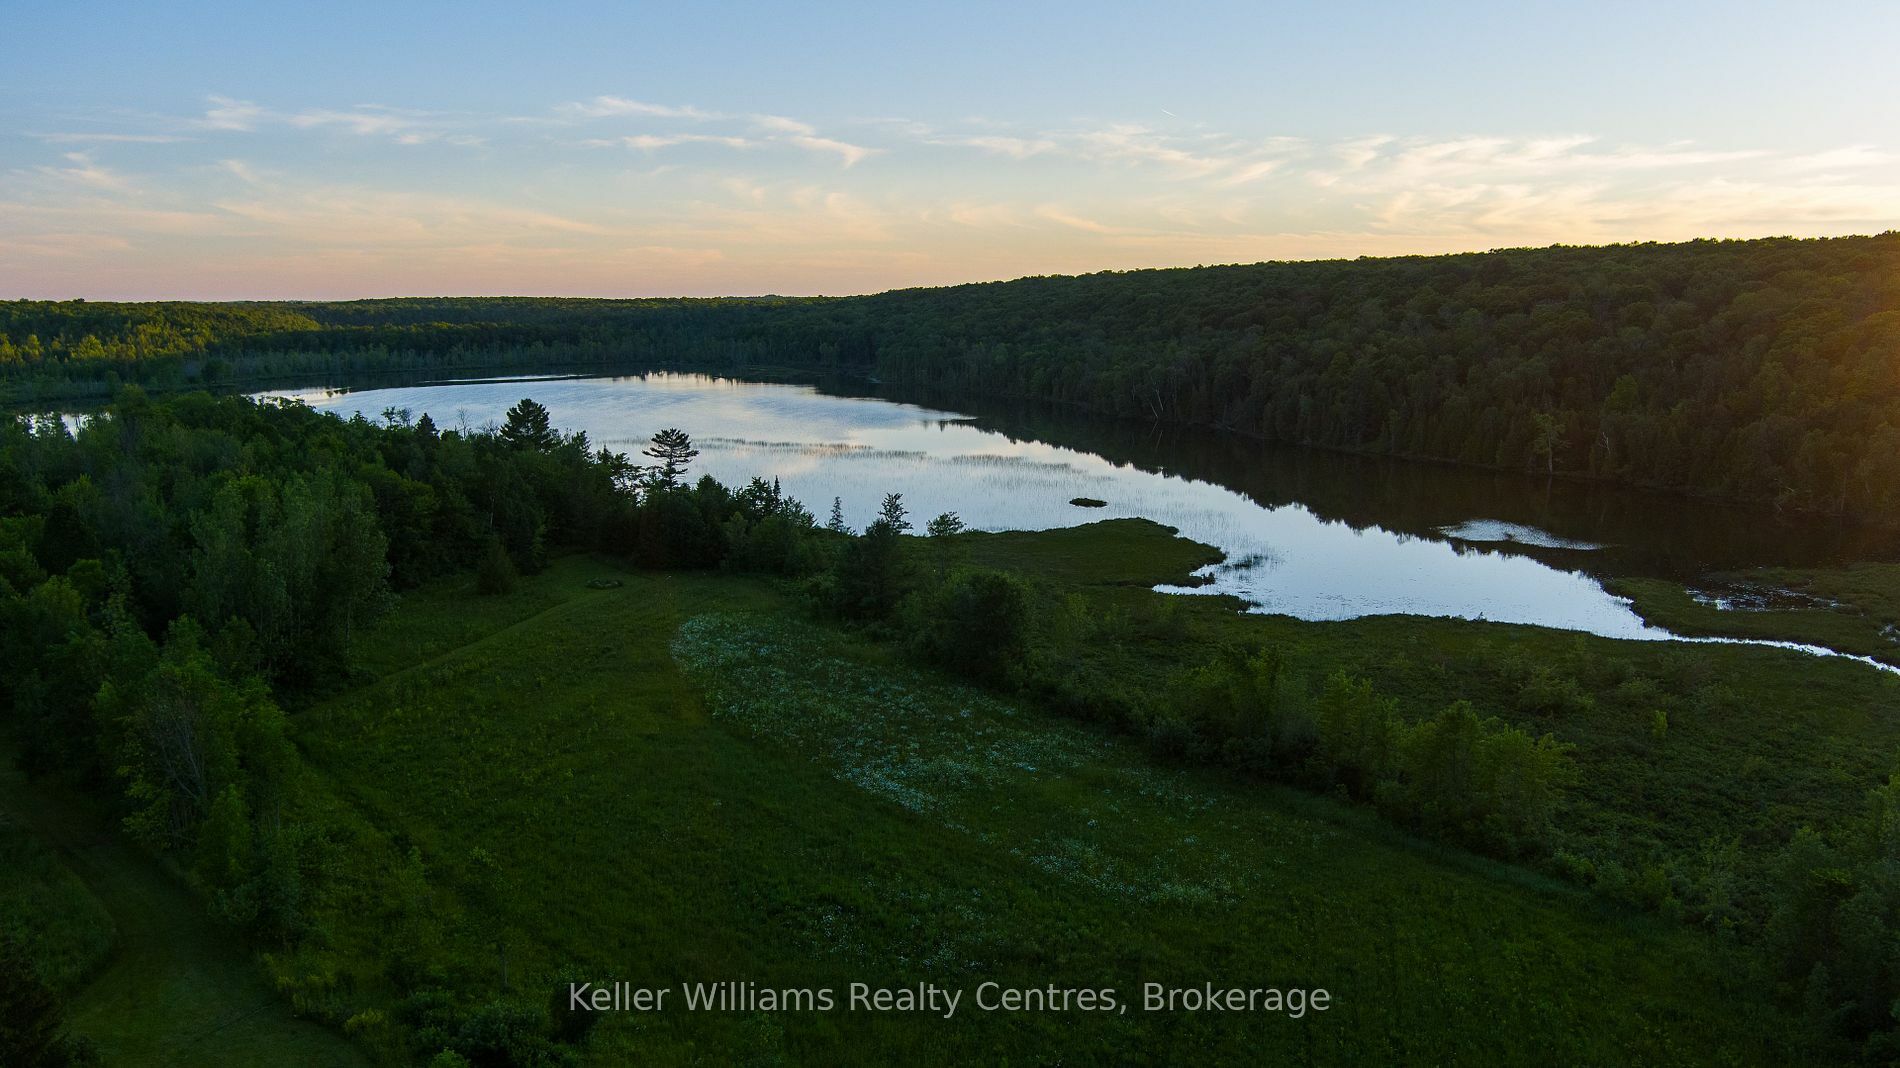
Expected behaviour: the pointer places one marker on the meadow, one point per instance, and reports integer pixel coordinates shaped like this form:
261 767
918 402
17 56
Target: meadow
684 779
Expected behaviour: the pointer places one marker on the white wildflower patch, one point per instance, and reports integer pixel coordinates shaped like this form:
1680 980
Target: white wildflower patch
1074 803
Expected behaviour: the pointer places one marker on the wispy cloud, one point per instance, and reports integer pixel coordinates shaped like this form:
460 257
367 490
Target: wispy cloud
402 126
242 171
651 142
1495 159
1850 158
851 154
763 128
368 121
108 138
1226 159
80 170
781 124
1243 173
65 245
602 107
228 114
1056 214
996 144
1130 143
349 215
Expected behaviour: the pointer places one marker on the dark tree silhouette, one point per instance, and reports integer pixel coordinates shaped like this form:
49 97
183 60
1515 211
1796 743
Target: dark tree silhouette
528 427
674 450
892 513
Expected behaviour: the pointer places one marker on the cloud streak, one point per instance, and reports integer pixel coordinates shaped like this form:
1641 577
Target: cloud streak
228 115
747 130
760 201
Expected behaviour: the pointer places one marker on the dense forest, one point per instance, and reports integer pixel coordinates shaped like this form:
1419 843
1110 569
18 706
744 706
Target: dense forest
1761 371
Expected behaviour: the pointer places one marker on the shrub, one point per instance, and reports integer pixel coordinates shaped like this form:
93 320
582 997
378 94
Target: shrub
1550 692
1482 780
1358 733
32 1021
976 624
870 577
496 573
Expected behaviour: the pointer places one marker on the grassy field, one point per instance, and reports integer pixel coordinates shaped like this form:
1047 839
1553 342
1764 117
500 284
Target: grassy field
682 779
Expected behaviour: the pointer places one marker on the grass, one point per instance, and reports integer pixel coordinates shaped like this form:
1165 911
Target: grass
48 911
682 779
1758 743
1854 609
174 989
1114 552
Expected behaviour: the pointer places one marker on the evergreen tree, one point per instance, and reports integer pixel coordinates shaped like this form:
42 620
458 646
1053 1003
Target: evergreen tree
528 427
674 450
892 513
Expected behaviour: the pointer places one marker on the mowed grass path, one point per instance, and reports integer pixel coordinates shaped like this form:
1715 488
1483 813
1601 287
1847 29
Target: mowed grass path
176 989
646 830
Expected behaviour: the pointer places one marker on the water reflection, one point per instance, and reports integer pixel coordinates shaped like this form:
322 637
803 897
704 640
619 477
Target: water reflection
1282 555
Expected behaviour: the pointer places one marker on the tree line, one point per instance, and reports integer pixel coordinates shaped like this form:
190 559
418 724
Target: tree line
1759 371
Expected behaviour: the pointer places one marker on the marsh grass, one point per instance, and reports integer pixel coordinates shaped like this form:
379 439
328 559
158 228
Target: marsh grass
1854 609
684 779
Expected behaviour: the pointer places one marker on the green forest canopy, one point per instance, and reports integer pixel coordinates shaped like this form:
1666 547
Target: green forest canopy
1765 371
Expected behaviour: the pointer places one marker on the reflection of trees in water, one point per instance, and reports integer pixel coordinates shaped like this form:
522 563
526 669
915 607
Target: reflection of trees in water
1643 532
1256 561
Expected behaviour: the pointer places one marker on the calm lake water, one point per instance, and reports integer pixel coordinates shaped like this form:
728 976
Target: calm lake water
1308 534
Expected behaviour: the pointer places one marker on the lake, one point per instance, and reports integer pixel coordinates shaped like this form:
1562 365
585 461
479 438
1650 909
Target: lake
1309 534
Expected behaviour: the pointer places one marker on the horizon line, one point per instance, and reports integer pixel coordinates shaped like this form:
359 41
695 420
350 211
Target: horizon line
1363 258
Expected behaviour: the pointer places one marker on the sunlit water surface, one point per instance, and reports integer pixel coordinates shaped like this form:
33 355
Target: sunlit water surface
1279 559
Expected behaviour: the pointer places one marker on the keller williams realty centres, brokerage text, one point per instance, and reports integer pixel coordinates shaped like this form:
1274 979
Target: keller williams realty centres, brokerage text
741 996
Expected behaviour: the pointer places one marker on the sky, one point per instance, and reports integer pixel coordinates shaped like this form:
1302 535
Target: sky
328 151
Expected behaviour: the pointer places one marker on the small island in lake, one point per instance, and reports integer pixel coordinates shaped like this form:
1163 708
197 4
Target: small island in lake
1087 502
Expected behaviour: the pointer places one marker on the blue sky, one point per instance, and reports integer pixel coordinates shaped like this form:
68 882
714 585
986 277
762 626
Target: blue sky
260 150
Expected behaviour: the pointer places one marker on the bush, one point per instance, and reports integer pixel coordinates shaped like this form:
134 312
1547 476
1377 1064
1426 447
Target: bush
1836 922
570 1025
1244 705
496 573
1482 780
1359 733
680 527
871 576
32 1021
1550 692
503 1035
976 624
